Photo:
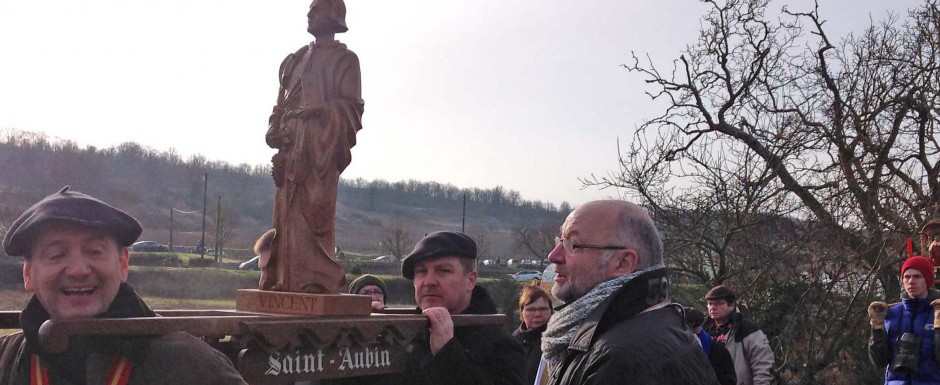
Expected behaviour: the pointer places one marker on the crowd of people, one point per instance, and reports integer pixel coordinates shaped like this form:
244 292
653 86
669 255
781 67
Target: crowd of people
608 318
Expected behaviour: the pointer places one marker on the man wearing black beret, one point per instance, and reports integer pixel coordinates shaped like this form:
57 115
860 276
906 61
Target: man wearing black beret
442 266
75 262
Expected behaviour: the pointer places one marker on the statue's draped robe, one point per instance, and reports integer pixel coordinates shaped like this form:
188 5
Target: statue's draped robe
313 151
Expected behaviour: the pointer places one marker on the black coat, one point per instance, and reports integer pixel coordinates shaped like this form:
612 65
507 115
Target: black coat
624 342
176 358
477 355
531 341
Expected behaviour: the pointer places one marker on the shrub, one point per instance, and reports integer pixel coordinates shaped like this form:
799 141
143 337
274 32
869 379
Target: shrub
156 259
202 262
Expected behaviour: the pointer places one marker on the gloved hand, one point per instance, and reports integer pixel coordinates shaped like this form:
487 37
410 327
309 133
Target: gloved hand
936 313
876 314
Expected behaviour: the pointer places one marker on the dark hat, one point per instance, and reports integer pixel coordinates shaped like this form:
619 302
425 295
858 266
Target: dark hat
366 280
438 244
70 207
720 292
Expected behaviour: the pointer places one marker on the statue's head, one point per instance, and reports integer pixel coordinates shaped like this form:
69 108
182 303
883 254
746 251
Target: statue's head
326 16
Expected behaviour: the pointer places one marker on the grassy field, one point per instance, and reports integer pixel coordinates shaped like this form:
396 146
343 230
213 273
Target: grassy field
16 300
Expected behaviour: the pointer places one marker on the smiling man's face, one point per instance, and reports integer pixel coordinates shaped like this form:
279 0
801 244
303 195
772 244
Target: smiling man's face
75 271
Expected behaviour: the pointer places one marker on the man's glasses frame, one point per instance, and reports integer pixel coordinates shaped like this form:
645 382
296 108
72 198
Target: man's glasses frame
570 245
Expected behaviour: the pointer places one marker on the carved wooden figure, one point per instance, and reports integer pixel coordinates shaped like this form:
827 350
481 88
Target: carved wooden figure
313 126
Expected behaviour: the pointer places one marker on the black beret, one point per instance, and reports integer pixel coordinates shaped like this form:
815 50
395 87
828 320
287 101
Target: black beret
720 292
70 207
438 244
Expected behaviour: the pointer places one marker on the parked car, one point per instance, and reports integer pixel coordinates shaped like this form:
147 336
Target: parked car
385 259
148 246
212 252
526 275
251 264
489 262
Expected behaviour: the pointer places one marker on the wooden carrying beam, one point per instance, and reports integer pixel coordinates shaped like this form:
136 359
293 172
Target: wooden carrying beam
273 349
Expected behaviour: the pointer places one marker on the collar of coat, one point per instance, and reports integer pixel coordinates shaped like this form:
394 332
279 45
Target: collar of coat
640 293
71 363
919 303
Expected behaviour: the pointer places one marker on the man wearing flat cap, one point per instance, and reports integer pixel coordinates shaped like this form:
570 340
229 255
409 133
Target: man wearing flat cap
75 262
442 266
750 350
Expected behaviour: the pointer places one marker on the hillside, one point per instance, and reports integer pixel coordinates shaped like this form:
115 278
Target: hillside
150 184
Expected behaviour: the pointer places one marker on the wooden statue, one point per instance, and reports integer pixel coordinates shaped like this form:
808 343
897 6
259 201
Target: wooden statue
930 241
313 126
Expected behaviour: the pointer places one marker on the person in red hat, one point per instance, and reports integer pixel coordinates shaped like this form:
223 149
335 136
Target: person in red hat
902 334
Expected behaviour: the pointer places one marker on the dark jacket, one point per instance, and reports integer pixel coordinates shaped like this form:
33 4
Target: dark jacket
176 358
750 350
912 314
531 341
719 357
477 355
631 339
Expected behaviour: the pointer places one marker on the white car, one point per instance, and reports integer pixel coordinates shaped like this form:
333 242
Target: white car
384 259
526 275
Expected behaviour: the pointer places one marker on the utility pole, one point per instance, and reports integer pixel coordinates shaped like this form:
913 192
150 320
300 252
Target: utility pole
218 229
171 228
205 187
463 218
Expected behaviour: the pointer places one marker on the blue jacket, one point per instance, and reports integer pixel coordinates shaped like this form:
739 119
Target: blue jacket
883 347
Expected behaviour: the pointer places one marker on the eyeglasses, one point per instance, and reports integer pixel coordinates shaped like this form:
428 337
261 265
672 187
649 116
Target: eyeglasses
569 245
533 310
715 303
371 292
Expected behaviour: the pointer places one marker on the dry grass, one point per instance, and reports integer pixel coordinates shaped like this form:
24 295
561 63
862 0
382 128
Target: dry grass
13 299
16 300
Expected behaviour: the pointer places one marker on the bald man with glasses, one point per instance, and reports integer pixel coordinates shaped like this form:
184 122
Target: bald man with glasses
618 325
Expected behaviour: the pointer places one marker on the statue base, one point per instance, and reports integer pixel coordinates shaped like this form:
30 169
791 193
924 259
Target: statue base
283 302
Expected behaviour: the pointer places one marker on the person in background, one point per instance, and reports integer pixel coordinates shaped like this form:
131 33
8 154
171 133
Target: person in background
442 267
748 345
902 334
368 284
535 308
75 262
717 354
262 249
618 324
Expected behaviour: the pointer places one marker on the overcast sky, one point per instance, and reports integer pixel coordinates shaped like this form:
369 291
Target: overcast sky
525 94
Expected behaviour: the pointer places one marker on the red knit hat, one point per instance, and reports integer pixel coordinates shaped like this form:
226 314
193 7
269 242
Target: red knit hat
923 265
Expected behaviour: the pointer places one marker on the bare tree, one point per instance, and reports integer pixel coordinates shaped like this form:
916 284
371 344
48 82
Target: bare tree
769 119
535 241
398 242
224 229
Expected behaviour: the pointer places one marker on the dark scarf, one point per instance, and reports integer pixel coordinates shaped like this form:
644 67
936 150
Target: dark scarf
71 363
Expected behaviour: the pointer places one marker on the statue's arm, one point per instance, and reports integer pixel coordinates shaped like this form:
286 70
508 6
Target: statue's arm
275 137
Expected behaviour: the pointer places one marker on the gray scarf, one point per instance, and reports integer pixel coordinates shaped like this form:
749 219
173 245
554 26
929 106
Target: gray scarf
565 323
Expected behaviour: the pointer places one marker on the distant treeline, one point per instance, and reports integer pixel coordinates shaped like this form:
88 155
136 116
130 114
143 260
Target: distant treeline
148 182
